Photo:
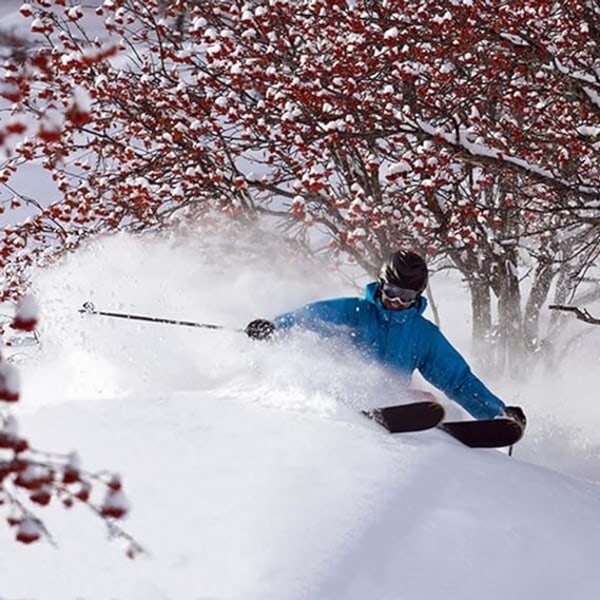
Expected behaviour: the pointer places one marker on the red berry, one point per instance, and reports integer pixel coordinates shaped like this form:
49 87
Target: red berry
70 475
41 497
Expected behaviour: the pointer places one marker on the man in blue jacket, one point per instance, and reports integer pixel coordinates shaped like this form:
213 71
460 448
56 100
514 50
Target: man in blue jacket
387 325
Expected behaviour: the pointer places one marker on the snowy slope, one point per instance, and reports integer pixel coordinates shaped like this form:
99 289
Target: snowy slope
238 501
250 474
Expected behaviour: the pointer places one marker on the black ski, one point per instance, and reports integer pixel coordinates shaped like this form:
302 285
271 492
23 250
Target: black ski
403 418
425 412
492 433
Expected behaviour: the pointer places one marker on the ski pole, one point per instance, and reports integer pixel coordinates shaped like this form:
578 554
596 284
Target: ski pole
89 309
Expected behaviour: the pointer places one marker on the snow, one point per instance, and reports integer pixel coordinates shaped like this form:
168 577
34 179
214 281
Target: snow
10 382
27 308
248 472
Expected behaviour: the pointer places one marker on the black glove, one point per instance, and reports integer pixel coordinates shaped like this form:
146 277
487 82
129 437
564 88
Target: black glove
260 329
516 414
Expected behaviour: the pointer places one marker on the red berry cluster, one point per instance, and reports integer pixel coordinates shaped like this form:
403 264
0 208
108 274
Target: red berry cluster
32 478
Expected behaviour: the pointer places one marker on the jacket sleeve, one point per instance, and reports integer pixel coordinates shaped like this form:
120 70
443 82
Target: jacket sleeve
444 367
323 317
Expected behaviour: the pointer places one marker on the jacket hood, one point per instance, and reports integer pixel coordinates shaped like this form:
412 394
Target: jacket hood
372 295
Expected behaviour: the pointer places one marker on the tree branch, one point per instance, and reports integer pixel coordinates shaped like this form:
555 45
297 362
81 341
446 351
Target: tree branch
581 313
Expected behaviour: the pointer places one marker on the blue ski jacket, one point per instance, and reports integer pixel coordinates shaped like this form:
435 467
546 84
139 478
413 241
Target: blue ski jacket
401 339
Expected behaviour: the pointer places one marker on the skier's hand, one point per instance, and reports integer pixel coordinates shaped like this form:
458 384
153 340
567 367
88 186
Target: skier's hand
516 414
260 329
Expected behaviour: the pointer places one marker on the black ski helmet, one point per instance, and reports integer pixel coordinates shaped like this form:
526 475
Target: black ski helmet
404 269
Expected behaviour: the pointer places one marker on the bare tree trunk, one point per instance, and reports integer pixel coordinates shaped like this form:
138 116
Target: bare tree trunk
481 311
543 278
510 331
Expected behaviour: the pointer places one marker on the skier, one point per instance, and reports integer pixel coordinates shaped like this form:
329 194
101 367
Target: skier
387 325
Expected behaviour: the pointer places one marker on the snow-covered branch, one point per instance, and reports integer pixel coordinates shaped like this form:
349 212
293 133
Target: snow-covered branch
581 313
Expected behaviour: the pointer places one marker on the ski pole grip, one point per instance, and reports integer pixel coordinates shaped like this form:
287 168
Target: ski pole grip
88 307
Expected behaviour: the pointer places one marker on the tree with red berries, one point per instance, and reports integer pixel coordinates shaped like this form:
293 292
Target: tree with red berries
466 130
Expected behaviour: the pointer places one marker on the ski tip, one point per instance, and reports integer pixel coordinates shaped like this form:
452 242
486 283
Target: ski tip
404 418
493 433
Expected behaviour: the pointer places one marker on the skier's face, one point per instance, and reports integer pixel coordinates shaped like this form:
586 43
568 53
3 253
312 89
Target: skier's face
394 297
399 294
394 303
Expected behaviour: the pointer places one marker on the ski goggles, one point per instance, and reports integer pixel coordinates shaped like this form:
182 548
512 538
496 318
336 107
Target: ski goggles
398 294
